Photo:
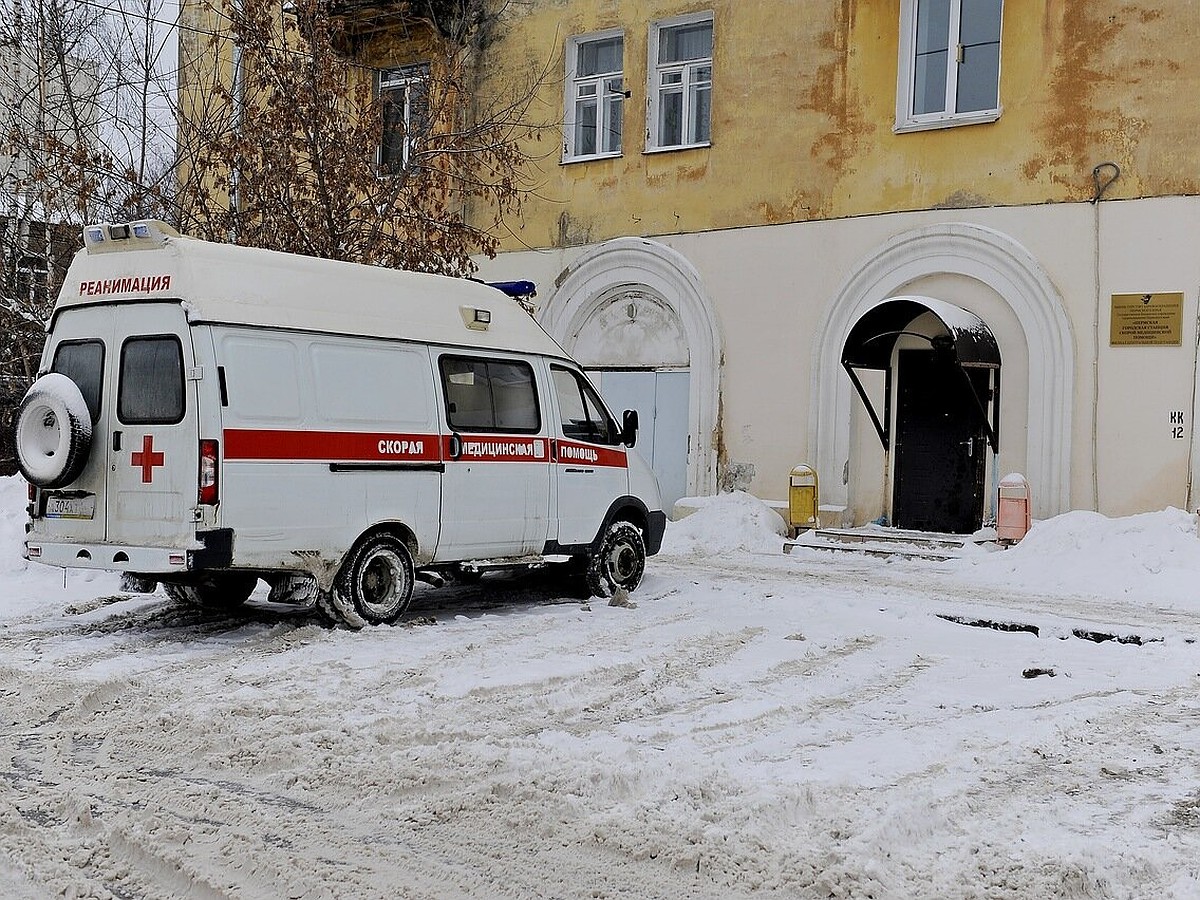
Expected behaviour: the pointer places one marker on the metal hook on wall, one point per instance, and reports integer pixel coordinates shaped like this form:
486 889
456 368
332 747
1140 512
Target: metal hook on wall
1101 184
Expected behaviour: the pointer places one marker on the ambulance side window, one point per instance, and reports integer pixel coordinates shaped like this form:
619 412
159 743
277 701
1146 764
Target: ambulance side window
150 390
581 413
83 363
490 395
513 396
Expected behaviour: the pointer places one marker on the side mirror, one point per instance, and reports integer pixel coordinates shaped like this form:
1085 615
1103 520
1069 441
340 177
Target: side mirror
629 427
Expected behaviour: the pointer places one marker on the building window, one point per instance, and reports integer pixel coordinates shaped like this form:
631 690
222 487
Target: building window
680 83
33 280
403 97
949 63
595 96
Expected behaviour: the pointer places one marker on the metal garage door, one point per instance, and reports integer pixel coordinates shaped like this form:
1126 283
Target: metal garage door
661 400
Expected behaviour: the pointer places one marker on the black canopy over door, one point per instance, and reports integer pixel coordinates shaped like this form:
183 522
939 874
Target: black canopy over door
944 394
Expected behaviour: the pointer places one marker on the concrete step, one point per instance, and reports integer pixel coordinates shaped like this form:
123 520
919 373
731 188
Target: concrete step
876 540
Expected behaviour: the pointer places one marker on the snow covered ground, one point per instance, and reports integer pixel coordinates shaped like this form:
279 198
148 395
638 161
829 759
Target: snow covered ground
811 725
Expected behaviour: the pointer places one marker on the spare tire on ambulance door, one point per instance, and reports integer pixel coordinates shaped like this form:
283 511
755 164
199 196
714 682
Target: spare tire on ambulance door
53 435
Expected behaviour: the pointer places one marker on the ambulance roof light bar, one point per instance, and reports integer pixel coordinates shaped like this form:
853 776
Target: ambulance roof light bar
516 289
146 234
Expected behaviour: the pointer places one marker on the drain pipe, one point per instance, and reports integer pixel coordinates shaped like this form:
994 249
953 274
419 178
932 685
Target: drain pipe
1103 177
1189 502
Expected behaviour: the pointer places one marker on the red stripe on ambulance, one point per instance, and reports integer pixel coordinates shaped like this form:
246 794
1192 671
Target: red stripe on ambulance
575 454
354 446
497 449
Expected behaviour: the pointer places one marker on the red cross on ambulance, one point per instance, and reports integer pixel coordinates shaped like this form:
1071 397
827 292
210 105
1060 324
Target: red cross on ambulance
147 458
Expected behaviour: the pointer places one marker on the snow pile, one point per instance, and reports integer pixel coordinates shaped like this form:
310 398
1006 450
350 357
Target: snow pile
13 494
725 523
1156 555
29 586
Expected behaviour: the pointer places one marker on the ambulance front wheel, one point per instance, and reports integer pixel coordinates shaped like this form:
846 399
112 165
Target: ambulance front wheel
378 579
618 562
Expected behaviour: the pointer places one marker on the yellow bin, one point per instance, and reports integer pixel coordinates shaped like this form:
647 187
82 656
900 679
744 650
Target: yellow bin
802 499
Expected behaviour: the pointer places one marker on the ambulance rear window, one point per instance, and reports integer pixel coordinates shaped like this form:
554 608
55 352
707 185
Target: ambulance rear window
83 363
150 391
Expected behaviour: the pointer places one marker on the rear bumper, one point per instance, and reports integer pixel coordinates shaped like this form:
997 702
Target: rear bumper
212 550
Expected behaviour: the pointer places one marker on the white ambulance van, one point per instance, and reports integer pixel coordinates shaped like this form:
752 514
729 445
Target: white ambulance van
210 415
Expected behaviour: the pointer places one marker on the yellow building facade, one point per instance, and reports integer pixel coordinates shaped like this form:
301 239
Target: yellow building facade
804 115
885 239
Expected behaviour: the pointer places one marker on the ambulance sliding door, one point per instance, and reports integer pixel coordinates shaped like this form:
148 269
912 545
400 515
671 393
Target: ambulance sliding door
496 487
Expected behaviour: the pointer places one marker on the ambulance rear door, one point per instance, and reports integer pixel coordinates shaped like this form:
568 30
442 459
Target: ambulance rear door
152 436
80 348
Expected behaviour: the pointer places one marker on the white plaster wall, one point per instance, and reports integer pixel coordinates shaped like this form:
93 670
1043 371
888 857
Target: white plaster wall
772 287
633 329
1146 247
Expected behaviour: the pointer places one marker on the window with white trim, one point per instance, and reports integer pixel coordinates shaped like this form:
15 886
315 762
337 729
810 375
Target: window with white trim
404 99
681 66
949 70
595 96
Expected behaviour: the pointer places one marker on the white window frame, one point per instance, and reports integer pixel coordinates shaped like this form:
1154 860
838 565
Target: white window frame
604 102
402 80
654 82
906 119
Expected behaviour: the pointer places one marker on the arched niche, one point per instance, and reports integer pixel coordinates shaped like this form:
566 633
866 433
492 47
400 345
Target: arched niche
597 290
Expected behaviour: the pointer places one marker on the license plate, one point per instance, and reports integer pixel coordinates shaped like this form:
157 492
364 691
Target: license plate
71 507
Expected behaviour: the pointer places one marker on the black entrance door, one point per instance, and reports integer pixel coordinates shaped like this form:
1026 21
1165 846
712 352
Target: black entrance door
940 445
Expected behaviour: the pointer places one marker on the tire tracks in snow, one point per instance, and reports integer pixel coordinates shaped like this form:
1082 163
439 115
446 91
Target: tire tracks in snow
191 824
531 753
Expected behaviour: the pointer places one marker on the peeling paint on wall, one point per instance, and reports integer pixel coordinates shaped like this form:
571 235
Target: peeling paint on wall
737 477
804 104
633 329
833 95
572 231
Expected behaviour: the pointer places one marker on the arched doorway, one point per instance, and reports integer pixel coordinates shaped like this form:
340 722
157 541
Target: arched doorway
634 312
940 404
1019 287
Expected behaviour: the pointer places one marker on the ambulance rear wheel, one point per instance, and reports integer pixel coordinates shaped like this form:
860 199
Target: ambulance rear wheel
227 590
378 579
618 562
54 432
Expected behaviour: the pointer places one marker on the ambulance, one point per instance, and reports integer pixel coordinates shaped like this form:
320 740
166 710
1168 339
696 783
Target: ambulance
207 416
